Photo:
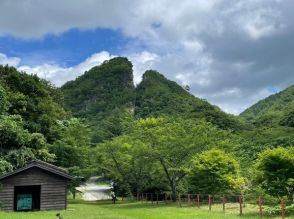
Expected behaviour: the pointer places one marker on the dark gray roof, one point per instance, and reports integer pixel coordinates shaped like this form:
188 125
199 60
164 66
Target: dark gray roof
42 165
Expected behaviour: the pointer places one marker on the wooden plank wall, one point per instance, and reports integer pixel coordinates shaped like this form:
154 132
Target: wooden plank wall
53 189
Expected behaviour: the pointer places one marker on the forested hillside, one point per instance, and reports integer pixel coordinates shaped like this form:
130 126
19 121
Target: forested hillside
107 98
104 95
158 96
277 109
273 122
101 89
151 138
34 125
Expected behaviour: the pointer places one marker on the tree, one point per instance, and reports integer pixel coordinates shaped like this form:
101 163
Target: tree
127 162
19 157
73 146
275 172
5 166
72 150
3 100
173 142
34 99
215 171
116 123
18 145
12 133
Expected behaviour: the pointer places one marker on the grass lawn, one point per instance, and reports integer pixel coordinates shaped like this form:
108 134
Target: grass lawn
134 210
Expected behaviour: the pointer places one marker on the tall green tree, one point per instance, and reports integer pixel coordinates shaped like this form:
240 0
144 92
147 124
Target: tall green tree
128 162
72 147
34 99
275 172
173 142
215 171
72 150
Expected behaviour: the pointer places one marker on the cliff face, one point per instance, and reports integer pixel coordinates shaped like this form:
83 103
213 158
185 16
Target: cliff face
101 89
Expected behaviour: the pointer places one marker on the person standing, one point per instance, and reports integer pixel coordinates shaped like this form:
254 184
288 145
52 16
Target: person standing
113 197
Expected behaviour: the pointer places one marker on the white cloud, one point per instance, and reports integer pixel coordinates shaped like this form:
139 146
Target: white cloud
227 51
12 61
144 19
142 62
59 75
260 23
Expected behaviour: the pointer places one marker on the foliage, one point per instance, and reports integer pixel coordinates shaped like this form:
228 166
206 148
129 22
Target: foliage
5 167
127 161
101 95
34 125
72 150
150 137
276 210
117 123
107 91
273 111
3 100
19 157
34 99
18 145
273 125
100 89
12 133
275 172
158 96
272 120
73 146
165 145
215 172
259 139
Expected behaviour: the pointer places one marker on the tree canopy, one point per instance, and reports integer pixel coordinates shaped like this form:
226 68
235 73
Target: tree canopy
275 172
215 172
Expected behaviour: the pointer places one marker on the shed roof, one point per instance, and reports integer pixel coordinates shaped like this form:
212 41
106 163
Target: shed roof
41 165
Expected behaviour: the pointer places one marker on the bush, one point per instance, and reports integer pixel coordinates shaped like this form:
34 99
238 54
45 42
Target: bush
275 210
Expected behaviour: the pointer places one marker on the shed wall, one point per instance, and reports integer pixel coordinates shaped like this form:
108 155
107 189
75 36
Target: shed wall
53 189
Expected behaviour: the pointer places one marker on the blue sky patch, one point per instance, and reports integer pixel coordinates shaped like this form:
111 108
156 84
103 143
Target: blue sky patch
67 49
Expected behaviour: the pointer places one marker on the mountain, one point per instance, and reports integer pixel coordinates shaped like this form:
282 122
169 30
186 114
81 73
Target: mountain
101 89
105 95
276 110
273 121
158 96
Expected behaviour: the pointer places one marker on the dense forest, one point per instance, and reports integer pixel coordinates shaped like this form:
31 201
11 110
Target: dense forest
153 137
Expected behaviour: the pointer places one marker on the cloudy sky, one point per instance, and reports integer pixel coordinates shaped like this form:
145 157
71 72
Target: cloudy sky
230 52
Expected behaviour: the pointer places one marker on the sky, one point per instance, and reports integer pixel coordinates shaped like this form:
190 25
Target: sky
232 53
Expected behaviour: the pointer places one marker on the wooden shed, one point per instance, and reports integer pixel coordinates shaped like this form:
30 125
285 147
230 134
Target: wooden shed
36 186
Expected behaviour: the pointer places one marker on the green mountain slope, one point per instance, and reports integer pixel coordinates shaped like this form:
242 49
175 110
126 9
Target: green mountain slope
273 119
157 96
101 89
276 110
107 98
104 96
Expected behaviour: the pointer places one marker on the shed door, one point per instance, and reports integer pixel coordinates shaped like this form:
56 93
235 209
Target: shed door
27 198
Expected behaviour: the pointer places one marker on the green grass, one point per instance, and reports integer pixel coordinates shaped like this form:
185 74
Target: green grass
136 210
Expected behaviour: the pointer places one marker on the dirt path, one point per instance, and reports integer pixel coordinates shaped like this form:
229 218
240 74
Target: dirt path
93 192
